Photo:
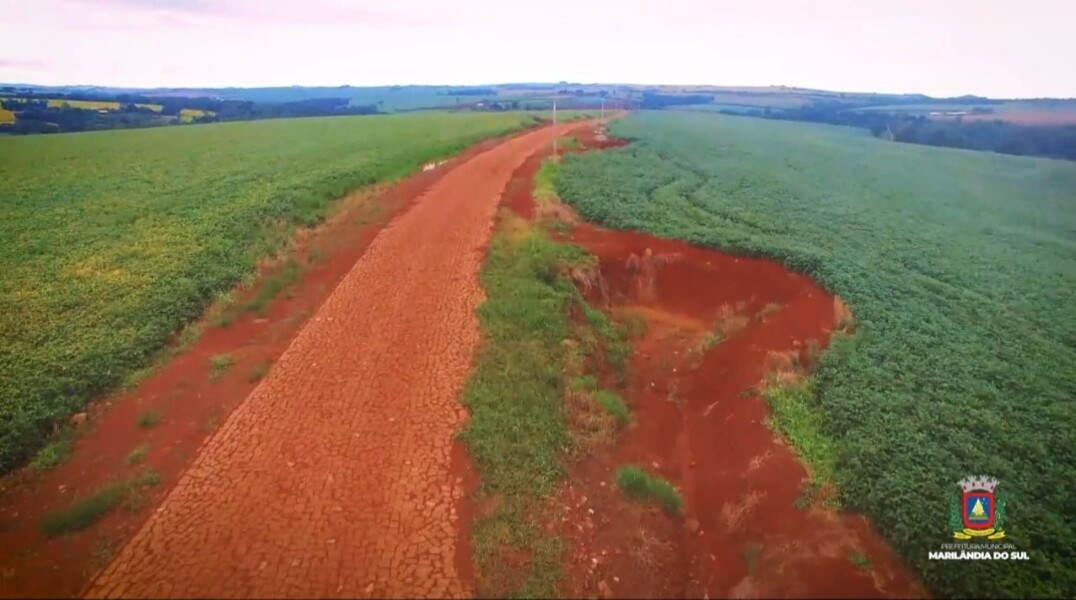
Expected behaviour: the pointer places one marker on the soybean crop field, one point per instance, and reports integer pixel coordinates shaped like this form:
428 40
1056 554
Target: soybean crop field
113 240
960 268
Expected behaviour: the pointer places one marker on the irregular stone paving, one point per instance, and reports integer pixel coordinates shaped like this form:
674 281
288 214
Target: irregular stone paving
332 478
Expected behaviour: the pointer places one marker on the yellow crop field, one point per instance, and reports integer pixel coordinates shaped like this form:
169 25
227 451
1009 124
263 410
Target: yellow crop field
153 107
187 115
87 104
6 116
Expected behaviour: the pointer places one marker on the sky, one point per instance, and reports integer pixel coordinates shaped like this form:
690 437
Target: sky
997 48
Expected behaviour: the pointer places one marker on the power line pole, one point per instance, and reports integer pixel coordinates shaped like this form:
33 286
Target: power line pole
554 126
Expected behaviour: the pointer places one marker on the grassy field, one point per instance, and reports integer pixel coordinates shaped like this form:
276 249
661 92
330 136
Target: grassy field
113 240
960 268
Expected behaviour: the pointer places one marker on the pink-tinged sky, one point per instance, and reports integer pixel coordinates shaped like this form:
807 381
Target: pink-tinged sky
1002 48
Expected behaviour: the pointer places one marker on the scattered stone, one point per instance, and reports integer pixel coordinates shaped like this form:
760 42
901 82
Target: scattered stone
78 419
616 579
370 588
692 525
654 464
603 589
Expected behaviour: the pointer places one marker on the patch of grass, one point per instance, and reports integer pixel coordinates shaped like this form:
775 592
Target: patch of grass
219 365
528 364
149 419
544 188
635 326
860 561
136 377
796 418
639 485
712 339
137 455
616 407
84 512
100 555
55 452
258 371
272 286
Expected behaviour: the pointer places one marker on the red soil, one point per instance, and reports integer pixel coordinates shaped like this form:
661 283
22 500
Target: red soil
701 423
191 406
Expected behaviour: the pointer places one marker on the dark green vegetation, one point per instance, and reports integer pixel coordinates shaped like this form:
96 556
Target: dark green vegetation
526 396
87 511
960 268
637 484
1053 141
113 240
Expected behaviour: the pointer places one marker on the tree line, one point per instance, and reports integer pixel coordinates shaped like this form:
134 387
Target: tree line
34 115
1050 141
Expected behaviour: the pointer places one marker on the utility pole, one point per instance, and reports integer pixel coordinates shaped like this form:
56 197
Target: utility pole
554 127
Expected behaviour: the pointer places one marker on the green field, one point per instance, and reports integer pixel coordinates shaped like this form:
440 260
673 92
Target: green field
960 267
113 240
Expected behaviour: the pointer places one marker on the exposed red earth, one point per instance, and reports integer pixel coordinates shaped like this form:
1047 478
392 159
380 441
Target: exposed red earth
700 422
191 405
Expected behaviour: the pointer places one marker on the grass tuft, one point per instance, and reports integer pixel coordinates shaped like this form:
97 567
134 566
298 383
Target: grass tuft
57 451
637 484
138 455
149 419
616 407
84 512
219 365
258 371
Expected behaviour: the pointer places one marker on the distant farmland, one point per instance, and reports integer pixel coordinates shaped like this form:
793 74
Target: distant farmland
113 240
959 267
85 104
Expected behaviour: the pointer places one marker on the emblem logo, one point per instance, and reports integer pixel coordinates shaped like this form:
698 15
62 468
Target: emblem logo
978 511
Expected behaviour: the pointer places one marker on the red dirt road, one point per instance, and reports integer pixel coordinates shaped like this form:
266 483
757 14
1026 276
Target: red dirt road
334 477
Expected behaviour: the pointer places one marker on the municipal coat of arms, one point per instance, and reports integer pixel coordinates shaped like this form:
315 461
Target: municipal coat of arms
978 511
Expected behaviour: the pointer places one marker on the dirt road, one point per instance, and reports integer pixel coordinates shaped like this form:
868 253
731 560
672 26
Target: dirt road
334 477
